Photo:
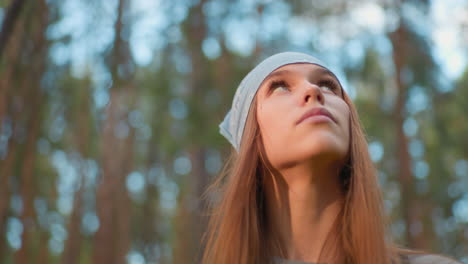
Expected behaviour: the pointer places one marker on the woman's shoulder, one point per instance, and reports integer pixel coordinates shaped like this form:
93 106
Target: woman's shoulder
431 259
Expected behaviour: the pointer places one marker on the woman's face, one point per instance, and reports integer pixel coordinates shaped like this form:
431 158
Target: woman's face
282 100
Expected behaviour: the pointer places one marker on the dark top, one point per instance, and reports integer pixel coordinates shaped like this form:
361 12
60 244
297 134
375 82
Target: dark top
413 259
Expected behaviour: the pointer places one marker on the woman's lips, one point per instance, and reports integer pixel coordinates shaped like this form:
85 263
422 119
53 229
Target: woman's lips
317 114
317 118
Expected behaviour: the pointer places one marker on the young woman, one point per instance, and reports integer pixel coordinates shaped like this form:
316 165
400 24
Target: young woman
300 186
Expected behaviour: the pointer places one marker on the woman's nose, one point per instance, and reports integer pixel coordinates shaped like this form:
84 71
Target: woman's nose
312 93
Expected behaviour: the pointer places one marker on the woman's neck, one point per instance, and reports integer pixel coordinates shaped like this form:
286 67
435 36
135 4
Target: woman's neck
302 205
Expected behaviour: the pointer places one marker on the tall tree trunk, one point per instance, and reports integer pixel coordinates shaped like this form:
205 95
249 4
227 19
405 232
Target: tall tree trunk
112 239
126 161
6 171
149 218
192 219
11 113
6 165
11 58
103 244
27 190
410 209
43 251
8 24
33 99
122 198
71 254
81 141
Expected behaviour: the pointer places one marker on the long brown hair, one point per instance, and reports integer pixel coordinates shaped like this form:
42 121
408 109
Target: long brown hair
238 231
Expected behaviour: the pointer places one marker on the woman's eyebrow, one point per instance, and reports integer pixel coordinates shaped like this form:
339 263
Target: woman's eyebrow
324 71
277 73
320 70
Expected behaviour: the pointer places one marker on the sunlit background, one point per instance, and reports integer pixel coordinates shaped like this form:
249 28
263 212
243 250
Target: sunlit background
109 113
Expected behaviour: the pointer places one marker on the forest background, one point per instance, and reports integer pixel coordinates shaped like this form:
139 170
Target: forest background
109 113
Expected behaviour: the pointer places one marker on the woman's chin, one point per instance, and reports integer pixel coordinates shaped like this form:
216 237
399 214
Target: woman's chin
318 154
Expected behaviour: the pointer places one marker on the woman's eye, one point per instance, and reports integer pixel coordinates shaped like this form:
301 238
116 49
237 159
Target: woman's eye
327 84
279 84
326 87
